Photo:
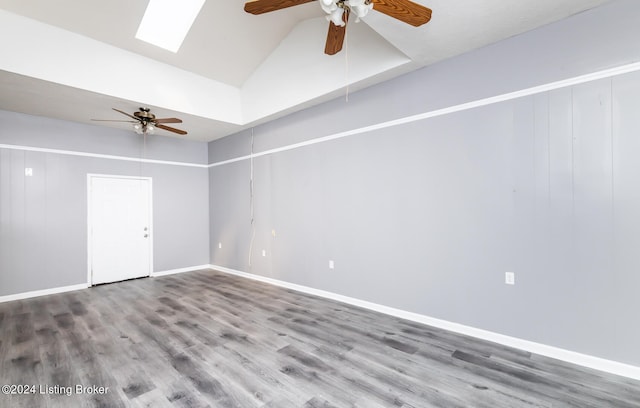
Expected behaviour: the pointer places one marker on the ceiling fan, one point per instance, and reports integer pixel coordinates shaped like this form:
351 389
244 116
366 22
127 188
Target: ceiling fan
338 14
145 122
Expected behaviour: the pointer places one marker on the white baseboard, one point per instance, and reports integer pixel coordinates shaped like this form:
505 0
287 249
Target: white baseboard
584 360
52 291
44 292
180 270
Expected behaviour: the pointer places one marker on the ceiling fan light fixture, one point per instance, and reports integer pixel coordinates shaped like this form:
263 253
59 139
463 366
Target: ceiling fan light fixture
359 7
328 6
143 128
336 17
336 8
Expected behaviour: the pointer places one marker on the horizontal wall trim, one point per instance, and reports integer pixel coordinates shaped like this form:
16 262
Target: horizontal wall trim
180 270
99 156
44 292
584 360
607 73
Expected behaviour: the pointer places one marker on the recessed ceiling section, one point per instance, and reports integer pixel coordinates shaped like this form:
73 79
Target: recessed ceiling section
77 61
312 73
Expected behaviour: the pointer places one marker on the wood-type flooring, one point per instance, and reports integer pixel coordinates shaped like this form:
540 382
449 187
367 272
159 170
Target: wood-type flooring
208 339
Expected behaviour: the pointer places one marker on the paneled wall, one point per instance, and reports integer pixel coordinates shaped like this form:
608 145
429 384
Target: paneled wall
43 218
427 216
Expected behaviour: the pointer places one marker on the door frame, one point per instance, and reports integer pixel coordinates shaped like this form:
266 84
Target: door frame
90 177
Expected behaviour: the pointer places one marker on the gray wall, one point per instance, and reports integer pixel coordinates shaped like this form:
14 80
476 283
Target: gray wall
428 216
43 218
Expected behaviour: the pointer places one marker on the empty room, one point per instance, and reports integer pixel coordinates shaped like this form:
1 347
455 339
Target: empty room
332 203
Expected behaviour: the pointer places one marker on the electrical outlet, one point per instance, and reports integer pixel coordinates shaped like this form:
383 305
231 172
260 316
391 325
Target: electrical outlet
510 278
264 252
331 264
220 245
28 171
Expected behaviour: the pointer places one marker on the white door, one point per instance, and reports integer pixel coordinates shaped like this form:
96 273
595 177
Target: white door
119 228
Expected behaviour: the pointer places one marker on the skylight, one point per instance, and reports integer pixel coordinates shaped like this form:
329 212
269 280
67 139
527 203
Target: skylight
167 22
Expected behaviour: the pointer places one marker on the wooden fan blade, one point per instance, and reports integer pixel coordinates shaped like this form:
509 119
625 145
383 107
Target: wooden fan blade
265 6
126 114
109 120
404 10
168 120
335 36
170 129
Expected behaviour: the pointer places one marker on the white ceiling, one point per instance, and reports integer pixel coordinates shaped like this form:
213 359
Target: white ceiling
75 59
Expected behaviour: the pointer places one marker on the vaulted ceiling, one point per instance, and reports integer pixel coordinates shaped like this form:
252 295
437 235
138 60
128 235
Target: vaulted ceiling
76 59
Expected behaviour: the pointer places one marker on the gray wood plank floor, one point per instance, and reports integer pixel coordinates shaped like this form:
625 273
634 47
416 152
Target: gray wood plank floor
207 339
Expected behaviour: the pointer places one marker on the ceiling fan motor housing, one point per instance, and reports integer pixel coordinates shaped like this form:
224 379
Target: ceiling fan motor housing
145 115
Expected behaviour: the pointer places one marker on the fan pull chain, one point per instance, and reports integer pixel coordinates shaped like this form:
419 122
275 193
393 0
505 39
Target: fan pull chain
251 204
346 64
